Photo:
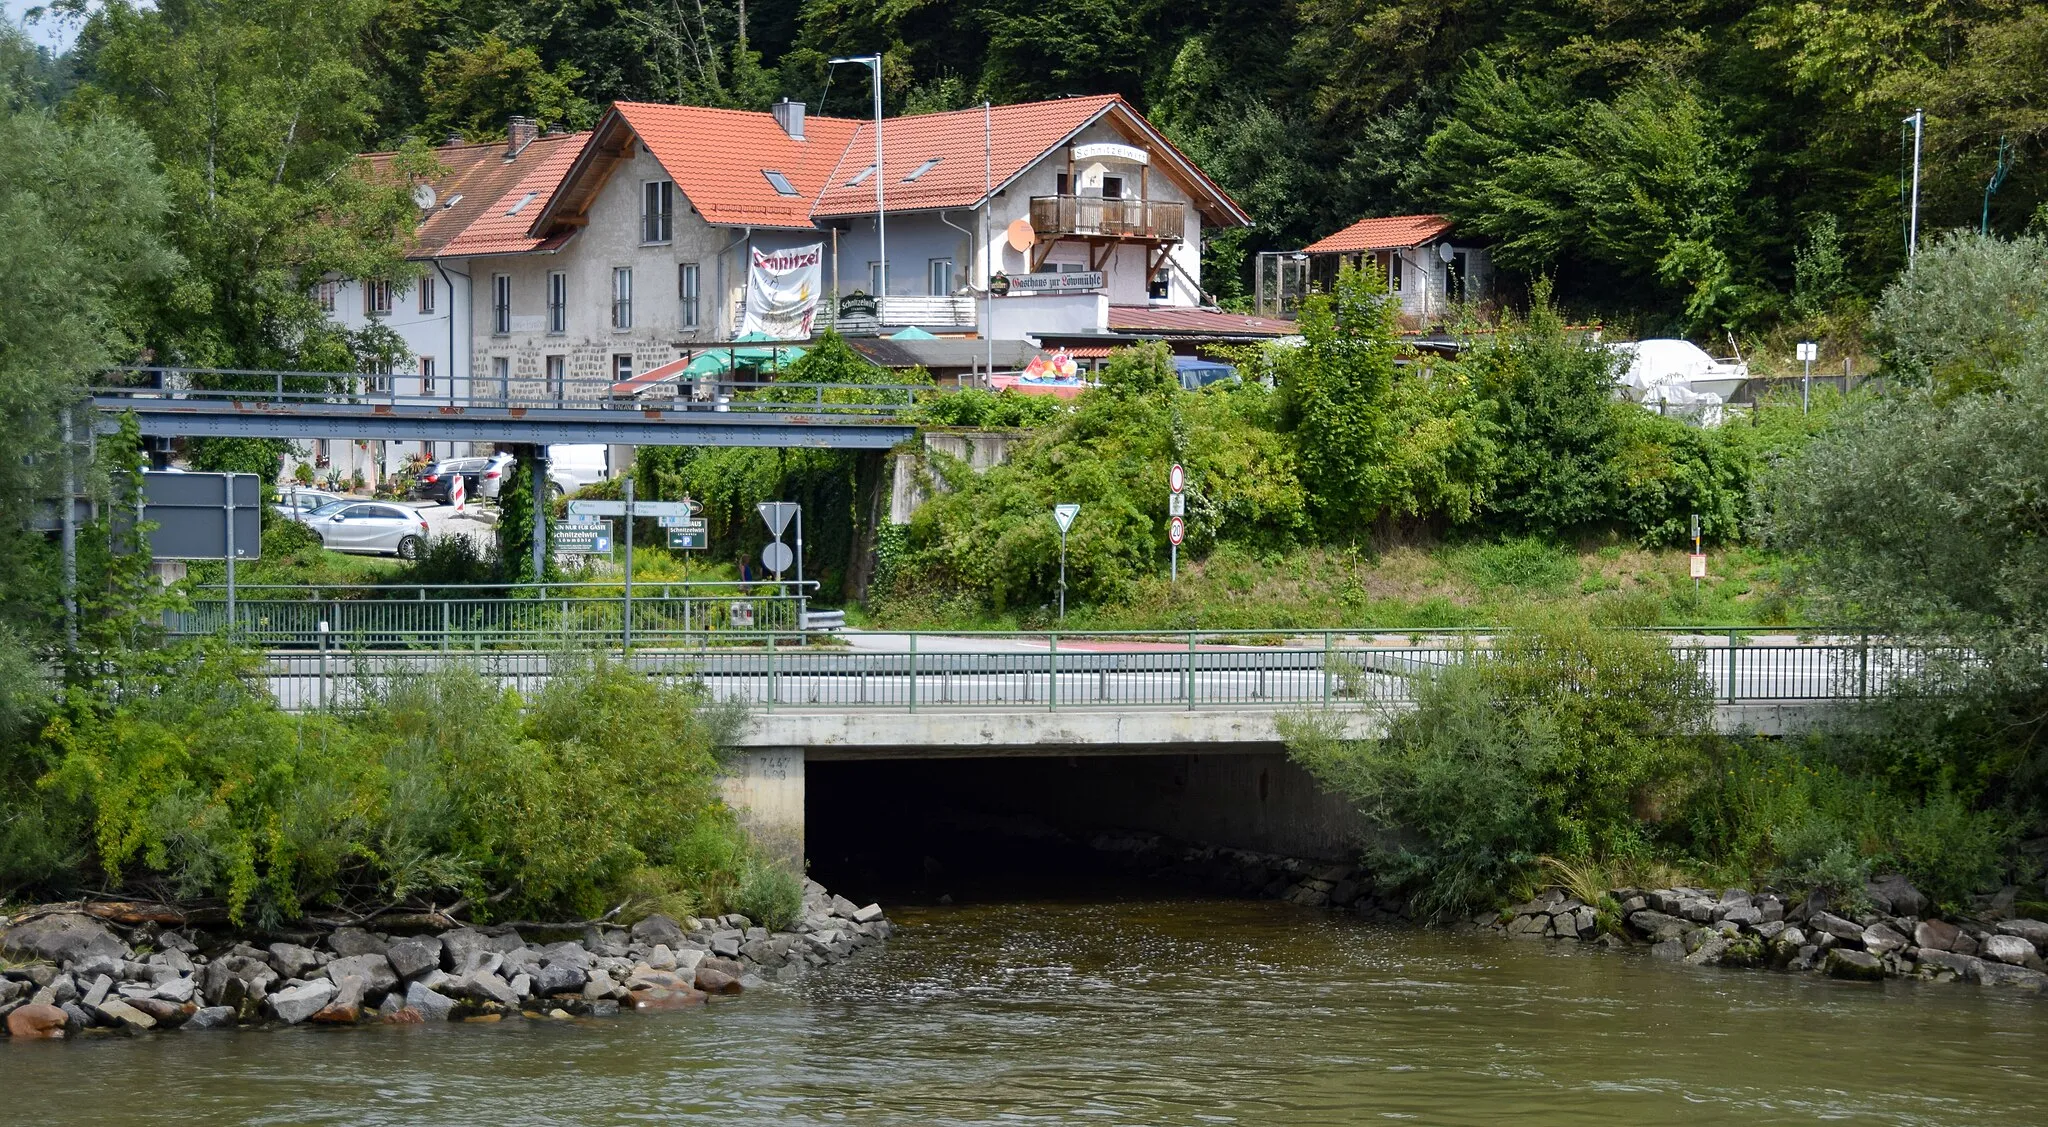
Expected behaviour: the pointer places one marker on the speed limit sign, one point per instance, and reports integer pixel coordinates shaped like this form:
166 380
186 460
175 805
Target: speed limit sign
1176 531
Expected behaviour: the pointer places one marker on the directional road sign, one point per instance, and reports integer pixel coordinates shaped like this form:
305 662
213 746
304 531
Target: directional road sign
687 539
682 522
587 508
777 515
579 537
1064 515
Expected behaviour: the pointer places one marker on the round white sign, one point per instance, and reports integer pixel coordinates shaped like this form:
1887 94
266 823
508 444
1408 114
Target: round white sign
1177 477
777 557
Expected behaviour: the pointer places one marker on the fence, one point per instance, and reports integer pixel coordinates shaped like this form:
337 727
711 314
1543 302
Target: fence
1070 672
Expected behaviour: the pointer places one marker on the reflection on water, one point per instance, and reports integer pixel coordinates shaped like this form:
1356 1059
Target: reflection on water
1162 1012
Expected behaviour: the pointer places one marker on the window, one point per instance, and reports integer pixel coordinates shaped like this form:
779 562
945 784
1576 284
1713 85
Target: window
686 294
501 373
779 182
622 368
657 211
324 294
557 368
861 177
558 302
939 277
501 304
921 169
521 205
1394 271
1059 184
1161 286
380 377
426 375
1112 187
376 298
427 294
622 297
877 284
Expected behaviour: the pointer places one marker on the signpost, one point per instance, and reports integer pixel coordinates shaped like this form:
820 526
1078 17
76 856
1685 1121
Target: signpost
1063 515
1698 562
1808 353
690 537
777 557
579 537
204 516
1176 530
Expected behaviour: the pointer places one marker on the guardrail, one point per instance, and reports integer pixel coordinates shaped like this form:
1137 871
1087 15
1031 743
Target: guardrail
778 670
446 625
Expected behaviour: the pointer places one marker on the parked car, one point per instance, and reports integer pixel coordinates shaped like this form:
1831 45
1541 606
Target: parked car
437 483
572 467
371 527
296 502
491 479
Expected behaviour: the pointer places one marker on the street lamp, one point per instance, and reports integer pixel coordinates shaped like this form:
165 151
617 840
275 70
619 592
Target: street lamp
874 64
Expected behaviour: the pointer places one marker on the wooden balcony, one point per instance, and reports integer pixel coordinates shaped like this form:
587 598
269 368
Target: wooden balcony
1092 217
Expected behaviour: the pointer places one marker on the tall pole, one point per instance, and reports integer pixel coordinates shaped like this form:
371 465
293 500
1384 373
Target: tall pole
540 515
1919 120
626 633
70 536
988 191
874 64
1063 575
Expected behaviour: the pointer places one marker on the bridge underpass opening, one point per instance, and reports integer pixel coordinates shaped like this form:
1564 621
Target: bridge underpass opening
992 828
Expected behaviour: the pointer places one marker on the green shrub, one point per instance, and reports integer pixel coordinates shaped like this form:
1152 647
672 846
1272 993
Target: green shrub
1524 564
769 895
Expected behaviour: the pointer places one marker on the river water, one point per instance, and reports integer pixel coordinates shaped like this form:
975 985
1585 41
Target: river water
1132 1012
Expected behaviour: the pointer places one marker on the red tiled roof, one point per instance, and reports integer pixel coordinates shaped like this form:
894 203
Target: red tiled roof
719 160
1179 319
501 226
1389 233
474 175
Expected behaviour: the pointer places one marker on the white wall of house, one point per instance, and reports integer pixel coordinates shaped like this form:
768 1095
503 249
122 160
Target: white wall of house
437 336
1424 289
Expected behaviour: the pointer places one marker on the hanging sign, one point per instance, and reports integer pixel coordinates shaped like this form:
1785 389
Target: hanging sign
782 292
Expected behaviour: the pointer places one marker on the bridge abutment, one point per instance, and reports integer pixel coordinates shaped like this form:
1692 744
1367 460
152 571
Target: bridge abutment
765 786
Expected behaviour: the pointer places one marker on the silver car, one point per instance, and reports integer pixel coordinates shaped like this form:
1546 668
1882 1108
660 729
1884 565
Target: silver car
299 503
370 526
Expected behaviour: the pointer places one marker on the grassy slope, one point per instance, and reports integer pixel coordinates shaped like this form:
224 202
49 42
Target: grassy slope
1411 587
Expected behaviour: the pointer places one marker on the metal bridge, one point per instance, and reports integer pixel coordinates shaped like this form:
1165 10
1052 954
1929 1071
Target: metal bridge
525 409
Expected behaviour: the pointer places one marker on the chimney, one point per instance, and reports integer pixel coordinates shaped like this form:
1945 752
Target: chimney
790 116
455 137
558 130
519 133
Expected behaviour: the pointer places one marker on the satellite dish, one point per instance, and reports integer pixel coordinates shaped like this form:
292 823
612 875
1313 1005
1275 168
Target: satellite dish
423 196
1021 236
1443 251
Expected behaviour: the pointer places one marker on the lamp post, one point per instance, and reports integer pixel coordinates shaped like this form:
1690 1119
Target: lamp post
874 64
1919 120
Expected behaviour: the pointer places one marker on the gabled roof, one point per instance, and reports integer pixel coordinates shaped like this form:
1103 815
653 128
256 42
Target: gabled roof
1394 232
719 160
477 176
961 153
1171 320
502 226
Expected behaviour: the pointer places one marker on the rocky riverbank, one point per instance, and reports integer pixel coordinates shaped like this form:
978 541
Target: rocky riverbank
65 972
1891 938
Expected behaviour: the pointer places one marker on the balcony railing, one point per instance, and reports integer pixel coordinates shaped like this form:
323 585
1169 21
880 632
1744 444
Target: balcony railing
1090 216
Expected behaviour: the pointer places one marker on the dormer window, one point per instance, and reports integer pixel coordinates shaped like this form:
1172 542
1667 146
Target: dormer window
921 170
779 182
862 176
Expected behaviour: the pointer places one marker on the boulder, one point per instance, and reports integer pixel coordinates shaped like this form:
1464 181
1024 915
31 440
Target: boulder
1709 951
414 956
127 1016
1882 939
1962 966
348 941
2033 931
179 990
1658 926
1894 895
525 960
1827 923
717 982
661 958
346 1008
212 1017
429 1004
568 954
35 1022
62 937
97 992
379 978
600 985
1672 949
294 1004
868 915
484 986
664 998
558 978
291 960
405 1015
522 985
2019 978
1770 909
1860 966
167 1014
2008 949
60 989
1741 915
1935 935
460 948
658 929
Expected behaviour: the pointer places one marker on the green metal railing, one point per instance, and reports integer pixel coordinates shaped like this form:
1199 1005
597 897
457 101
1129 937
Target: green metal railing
1188 670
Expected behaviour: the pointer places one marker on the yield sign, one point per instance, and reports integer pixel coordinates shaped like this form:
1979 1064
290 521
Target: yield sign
1064 515
777 514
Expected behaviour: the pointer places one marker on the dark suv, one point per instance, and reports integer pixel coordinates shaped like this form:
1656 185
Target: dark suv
438 482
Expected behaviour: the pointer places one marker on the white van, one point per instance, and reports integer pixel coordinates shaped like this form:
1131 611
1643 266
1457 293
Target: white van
572 467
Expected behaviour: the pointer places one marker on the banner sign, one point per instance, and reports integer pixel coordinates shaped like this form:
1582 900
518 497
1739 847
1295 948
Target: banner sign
1075 282
782 292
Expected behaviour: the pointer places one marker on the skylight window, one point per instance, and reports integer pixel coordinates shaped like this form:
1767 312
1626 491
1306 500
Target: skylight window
862 177
523 201
779 182
922 169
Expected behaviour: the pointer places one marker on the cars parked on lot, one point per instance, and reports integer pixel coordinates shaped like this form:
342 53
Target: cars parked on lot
372 527
481 478
296 502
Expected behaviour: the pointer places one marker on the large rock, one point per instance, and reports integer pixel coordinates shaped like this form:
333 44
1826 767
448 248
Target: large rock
2033 931
1935 935
62 937
1657 926
1828 923
126 1015
379 977
868 915
212 1017
2008 949
658 929
666 998
35 1022
431 1005
1966 967
167 1014
347 1006
712 981
460 948
294 1004
1861 966
291 960
558 978
485 986
1882 939
2019 978
568 954
1894 895
414 956
349 941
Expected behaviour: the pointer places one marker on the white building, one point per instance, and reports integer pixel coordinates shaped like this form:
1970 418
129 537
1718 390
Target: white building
1429 270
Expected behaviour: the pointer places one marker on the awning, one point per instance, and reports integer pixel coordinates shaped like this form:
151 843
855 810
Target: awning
713 363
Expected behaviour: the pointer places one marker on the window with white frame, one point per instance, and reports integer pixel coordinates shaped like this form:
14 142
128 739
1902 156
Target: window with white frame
622 367
426 375
558 302
687 295
324 294
376 298
939 277
501 304
557 370
657 211
428 296
622 297
380 377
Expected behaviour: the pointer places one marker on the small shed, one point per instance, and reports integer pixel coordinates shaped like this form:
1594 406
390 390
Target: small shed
1420 257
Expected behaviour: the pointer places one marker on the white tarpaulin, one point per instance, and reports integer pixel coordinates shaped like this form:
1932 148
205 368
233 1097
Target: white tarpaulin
782 292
